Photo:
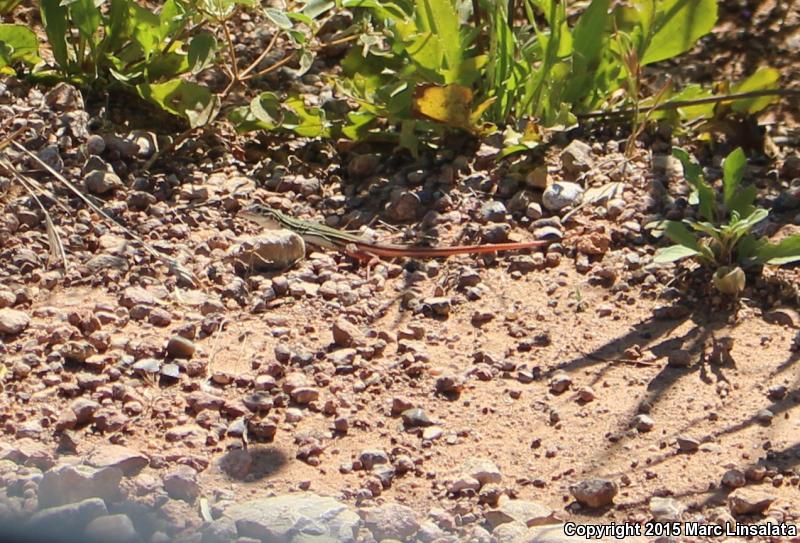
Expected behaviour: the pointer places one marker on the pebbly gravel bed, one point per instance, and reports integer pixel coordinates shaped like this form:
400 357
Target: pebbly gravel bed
137 406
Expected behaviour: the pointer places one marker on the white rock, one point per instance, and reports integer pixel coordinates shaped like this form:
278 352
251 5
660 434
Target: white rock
13 321
562 194
482 469
284 518
272 250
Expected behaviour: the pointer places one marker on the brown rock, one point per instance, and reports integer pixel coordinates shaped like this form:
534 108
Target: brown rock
181 484
746 501
129 461
180 347
84 410
346 334
594 244
594 492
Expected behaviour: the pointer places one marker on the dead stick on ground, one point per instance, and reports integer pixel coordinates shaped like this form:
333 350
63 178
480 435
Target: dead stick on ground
173 264
57 251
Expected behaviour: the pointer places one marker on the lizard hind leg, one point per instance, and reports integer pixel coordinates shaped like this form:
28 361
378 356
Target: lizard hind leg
369 260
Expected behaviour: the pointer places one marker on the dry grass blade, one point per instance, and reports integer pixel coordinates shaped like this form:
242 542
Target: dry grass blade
174 265
57 251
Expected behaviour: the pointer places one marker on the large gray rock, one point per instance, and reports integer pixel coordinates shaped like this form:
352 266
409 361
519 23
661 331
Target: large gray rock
294 517
68 484
509 532
116 528
391 521
67 519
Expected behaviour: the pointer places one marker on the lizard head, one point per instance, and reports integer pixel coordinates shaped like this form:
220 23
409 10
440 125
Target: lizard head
261 214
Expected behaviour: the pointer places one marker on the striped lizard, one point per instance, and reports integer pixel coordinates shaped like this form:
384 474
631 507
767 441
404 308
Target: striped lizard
361 248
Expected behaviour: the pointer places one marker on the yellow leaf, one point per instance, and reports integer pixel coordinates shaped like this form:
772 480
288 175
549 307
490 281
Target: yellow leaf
475 116
447 104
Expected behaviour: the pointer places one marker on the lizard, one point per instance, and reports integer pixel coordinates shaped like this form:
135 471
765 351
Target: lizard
362 248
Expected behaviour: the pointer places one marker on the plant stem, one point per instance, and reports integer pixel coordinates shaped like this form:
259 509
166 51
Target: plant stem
263 54
234 61
696 102
272 68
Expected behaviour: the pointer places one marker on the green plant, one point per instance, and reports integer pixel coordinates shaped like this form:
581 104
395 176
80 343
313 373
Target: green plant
723 241
18 45
488 69
100 43
414 64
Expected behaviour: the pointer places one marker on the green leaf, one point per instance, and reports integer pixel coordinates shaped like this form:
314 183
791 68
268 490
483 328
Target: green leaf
300 18
386 11
218 9
732 172
242 119
202 48
588 38
310 122
315 8
278 17
266 109
677 25
119 15
86 18
358 126
165 66
54 19
18 44
191 101
742 201
693 173
673 253
681 235
306 60
440 18
691 169
764 78
146 29
705 227
746 224
687 113
170 20
783 252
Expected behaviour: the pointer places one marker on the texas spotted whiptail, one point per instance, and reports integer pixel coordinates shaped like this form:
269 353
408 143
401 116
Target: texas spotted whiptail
361 248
